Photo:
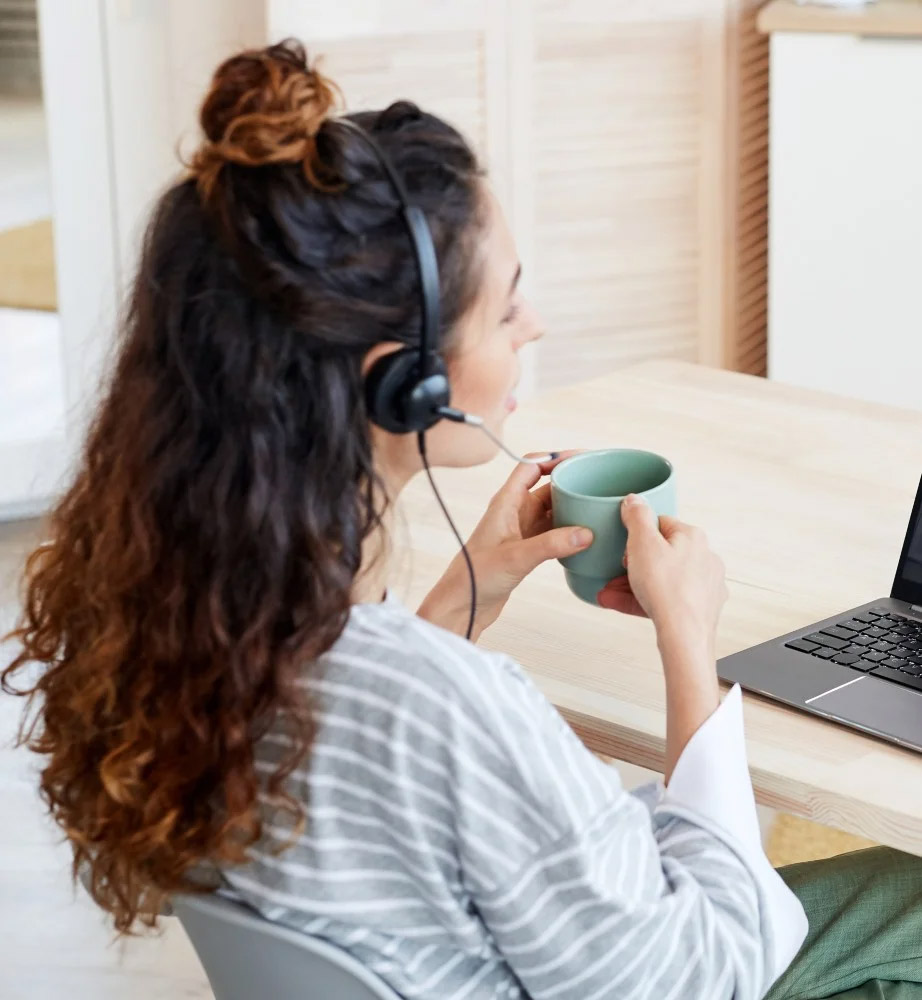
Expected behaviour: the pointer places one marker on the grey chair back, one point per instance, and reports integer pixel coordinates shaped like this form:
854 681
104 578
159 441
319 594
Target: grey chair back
247 957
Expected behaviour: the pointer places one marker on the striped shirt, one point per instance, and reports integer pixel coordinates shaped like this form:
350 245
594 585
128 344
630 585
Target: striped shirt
463 844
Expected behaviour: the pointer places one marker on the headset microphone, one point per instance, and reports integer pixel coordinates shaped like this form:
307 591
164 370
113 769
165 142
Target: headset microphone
460 417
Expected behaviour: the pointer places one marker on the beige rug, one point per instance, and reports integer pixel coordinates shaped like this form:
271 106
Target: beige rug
792 839
27 267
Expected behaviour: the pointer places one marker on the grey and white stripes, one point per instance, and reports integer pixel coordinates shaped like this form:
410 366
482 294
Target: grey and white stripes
463 844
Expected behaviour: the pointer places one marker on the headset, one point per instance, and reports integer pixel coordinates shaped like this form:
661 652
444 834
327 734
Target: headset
408 390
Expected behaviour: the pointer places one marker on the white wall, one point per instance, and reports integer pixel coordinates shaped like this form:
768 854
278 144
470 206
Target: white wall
160 57
122 81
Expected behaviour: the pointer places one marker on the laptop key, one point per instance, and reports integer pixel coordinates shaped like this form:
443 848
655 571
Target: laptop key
839 632
863 640
867 616
881 611
874 632
855 625
854 648
887 673
802 645
882 646
873 656
824 653
826 640
893 661
846 659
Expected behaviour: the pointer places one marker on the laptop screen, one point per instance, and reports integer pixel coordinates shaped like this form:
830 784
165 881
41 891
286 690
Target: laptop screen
908 583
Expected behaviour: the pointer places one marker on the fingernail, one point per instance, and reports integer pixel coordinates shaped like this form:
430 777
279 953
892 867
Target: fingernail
581 538
632 500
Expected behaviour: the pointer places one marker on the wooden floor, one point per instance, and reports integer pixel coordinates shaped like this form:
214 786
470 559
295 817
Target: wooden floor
54 944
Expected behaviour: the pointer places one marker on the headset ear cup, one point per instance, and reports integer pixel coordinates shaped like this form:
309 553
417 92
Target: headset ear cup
387 385
398 400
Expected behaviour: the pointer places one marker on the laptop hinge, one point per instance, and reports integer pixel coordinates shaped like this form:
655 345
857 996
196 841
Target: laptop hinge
916 607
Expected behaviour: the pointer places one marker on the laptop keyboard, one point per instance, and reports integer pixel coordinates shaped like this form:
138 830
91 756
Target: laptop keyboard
878 642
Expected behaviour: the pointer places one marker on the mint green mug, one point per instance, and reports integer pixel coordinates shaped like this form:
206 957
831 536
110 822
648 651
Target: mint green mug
587 489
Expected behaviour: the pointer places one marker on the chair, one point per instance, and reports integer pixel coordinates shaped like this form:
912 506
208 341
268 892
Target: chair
247 957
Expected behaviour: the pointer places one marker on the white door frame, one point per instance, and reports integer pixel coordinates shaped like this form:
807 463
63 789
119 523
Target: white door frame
74 86
122 80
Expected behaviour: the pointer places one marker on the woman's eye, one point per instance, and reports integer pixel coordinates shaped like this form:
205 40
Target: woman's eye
511 315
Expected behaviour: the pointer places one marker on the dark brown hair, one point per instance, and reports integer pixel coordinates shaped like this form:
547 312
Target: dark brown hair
205 553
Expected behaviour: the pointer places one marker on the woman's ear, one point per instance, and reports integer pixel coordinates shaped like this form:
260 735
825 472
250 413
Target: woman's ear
379 351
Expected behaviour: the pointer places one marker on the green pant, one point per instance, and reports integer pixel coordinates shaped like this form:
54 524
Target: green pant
865 940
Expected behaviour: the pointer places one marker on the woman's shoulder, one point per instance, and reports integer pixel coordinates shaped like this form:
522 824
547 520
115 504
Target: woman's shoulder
387 648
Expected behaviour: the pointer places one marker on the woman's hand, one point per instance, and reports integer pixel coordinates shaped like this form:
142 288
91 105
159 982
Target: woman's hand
675 579
514 536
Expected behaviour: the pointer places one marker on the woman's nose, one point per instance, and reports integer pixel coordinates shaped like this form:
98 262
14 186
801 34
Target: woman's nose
532 326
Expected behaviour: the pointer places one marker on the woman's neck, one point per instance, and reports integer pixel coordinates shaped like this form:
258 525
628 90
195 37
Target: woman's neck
370 585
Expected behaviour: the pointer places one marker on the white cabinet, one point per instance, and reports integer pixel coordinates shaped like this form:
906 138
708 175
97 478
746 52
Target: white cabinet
845 258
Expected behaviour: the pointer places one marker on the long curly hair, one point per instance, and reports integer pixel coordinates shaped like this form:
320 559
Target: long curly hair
205 554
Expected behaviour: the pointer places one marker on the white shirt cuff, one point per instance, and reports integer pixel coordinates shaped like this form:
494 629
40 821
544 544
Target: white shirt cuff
710 786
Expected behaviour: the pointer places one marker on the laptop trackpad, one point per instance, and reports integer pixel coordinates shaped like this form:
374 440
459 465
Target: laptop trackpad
877 706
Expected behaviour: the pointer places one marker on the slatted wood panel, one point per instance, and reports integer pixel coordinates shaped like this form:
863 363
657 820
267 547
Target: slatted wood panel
627 141
616 157
748 320
443 73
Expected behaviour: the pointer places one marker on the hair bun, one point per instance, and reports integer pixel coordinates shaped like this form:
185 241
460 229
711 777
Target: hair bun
265 106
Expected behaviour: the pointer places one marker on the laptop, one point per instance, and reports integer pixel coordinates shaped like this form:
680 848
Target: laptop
862 668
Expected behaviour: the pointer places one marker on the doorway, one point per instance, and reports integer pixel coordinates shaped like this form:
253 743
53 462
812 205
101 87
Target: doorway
31 384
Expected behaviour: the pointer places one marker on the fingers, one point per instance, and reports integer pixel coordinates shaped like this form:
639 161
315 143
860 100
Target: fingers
616 600
618 596
642 522
670 526
639 519
543 492
556 459
525 475
557 543
542 497
618 585
535 511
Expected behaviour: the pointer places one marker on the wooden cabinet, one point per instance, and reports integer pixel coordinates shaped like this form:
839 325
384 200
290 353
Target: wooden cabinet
626 139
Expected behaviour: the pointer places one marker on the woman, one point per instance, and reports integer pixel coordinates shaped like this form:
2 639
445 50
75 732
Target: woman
233 699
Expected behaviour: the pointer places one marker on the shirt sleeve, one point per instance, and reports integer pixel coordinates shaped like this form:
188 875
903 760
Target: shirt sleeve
711 787
630 896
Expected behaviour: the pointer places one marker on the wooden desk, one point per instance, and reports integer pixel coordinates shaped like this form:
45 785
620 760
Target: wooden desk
805 495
